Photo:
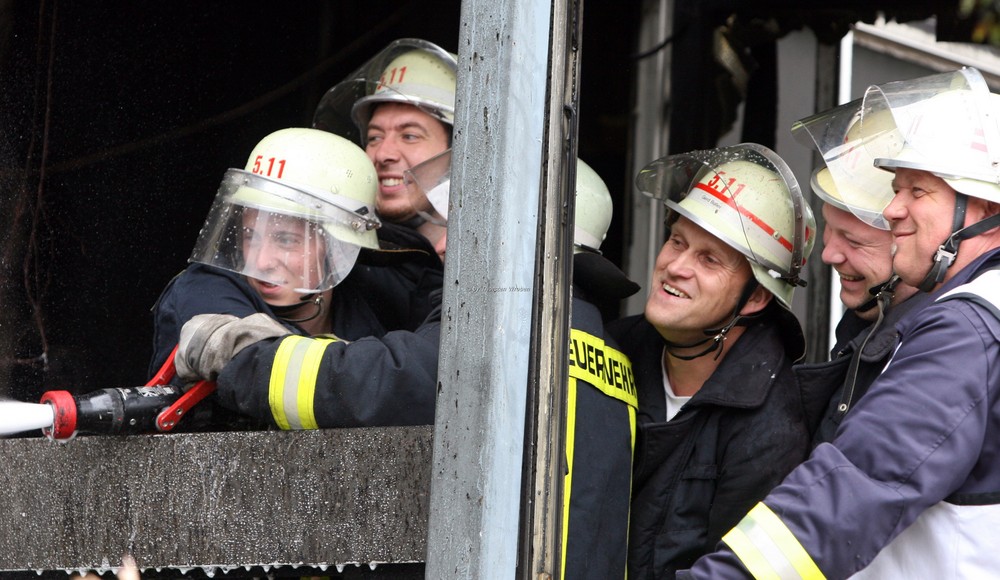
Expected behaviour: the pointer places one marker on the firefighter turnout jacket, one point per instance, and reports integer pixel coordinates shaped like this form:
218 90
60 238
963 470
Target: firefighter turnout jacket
600 430
697 474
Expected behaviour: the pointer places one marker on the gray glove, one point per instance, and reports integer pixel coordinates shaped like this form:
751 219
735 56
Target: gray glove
209 341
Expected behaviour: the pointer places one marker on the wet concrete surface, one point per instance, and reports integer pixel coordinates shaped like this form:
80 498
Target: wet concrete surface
328 499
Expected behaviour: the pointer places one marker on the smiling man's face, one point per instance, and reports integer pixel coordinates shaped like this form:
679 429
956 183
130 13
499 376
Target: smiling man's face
860 254
399 137
697 281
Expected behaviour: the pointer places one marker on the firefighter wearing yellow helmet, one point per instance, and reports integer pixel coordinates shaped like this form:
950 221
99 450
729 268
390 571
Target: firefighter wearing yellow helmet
281 233
721 418
294 220
273 309
400 106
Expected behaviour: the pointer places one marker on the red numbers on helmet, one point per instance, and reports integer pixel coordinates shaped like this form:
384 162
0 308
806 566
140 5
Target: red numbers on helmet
395 76
271 167
716 184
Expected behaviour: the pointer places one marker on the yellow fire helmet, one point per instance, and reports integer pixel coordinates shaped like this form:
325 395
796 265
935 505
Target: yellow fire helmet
746 196
408 70
297 215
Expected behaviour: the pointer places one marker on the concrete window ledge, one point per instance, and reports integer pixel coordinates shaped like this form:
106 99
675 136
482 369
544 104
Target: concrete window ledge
346 501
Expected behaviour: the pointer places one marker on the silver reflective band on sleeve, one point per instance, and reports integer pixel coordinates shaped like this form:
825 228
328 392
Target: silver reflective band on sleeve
768 548
292 387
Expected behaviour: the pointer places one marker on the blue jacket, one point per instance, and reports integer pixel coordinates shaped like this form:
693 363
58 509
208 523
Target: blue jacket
913 472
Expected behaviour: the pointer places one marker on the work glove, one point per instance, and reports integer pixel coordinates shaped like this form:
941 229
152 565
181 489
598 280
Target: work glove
209 341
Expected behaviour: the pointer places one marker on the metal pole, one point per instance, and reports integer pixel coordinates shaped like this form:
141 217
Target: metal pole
540 548
490 290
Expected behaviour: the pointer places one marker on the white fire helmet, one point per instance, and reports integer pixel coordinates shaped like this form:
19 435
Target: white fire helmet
947 124
593 209
297 216
746 196
849 180
408 70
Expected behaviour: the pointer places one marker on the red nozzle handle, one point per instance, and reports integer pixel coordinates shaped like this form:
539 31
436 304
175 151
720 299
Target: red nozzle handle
166 372
63 414
169 417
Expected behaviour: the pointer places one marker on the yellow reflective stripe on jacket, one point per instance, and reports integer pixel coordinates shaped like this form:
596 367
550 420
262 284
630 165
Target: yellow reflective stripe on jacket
768 548
609 370
292 388
571 391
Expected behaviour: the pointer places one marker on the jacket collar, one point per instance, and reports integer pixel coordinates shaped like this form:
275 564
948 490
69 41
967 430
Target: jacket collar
744 378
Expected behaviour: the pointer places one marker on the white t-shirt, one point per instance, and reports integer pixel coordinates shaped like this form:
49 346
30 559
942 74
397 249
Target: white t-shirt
674 403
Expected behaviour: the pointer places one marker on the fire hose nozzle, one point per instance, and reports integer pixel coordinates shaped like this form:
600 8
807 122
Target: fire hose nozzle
63 414
109 411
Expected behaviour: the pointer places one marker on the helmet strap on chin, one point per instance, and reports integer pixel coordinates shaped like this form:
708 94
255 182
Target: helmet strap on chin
716 336
880 292
284 312
946 252
883 296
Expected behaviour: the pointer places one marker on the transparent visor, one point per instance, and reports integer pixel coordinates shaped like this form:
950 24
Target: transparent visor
428 186
346 108
945 124
281 235
746 196
854 183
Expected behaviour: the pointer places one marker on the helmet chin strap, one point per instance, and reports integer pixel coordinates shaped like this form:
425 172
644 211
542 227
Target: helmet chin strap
946 252
883 296
716 336
284 312
878 292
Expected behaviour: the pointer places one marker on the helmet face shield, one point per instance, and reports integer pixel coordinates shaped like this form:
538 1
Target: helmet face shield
747 197
946 124
409 71
428 186
282 235
850 180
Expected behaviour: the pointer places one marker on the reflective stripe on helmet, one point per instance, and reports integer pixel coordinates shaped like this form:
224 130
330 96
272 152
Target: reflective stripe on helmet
292 388
768 548
758 221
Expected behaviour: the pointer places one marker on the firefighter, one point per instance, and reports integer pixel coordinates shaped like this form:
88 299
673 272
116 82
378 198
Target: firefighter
399 106
282 239
601 401
284 236
859 249
909 487
721 418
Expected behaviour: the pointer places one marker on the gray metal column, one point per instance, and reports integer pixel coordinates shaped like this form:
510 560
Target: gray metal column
542 495
489 288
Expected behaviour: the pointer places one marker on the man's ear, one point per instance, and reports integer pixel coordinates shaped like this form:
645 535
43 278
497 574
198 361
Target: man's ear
759 299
